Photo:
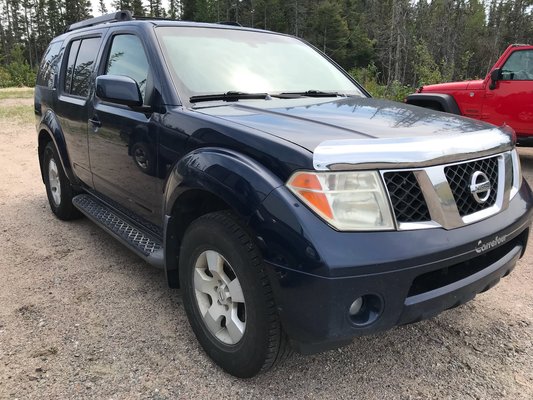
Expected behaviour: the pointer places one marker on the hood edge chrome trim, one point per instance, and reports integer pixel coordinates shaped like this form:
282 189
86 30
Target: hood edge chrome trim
412 152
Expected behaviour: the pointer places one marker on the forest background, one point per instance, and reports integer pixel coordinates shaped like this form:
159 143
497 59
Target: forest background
390 46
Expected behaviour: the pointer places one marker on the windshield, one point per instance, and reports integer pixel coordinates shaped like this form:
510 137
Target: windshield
208 61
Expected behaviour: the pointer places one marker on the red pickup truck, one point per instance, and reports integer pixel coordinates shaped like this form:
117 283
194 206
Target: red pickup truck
505 96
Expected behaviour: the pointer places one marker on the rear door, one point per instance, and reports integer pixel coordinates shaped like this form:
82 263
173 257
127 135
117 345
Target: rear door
123 141
511 102
73 101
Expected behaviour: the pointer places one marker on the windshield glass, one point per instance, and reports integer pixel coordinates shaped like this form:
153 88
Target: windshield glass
210 61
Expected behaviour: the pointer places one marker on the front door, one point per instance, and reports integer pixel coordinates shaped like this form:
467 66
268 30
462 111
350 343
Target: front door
511 102
122 141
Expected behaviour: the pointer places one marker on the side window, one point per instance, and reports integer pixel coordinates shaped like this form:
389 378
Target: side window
127 57
519 66
72 54
80 65
49 65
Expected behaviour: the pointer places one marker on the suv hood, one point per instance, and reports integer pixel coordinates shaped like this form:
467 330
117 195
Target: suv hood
308 122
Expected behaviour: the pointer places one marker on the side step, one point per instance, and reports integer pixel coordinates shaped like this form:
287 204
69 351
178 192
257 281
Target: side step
137 240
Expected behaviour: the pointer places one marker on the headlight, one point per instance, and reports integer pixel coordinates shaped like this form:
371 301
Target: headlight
349 201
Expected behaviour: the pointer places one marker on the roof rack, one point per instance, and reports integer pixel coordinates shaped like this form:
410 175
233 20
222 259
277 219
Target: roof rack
231 23
114 17
148 18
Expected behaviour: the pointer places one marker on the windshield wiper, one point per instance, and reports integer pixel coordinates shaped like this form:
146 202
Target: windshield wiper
236 96
310 93
230 96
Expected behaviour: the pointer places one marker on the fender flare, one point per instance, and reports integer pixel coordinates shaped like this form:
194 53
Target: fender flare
234 179
239 180
50 125
446 101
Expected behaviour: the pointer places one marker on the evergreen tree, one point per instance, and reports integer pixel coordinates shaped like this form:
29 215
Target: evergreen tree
102 8
174 9
156 8
77 10
122 5
56 20
137 8
391 41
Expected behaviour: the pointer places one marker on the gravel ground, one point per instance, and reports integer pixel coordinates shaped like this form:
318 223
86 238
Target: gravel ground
82 317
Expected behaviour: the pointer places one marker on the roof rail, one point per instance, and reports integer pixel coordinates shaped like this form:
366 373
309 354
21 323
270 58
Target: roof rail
145 18
231 23
103 19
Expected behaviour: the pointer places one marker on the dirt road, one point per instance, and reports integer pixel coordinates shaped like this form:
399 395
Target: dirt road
82 317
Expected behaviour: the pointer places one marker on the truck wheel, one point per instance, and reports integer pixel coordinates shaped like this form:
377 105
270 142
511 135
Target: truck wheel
58 187
228 298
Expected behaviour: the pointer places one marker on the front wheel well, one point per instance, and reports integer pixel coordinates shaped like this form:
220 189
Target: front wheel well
190 206
435 101
430 104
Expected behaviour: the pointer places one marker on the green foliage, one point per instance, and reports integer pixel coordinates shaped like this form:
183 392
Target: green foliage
389 44
330 29
397 91
18 72
426 69
77 10
21 74
364 75
137 8
5 78
369 78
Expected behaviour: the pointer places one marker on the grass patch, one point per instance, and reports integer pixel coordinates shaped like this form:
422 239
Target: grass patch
16 93
19 113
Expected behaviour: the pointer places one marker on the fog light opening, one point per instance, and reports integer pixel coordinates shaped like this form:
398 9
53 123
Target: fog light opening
365 309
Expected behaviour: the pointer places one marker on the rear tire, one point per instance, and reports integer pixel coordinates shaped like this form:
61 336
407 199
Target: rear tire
58 188
227 296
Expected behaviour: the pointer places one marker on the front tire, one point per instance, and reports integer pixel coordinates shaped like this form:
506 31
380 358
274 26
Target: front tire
58 188
227 296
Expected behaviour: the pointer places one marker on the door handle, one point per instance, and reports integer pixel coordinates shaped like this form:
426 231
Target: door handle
96 122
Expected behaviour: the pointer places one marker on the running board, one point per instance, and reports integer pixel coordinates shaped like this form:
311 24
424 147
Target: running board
136 239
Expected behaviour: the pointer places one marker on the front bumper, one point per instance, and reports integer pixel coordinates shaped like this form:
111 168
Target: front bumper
316 272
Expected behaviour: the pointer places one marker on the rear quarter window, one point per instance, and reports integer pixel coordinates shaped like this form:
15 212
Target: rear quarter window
49 65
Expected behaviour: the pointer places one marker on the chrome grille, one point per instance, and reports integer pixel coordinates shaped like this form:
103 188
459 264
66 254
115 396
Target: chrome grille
406 197
459 178
451 195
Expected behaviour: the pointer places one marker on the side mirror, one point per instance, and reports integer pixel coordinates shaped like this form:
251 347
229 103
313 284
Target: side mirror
118 89
495 76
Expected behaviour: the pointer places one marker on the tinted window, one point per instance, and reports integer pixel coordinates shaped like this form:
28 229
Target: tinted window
127 58
49 65
73 52
519 66
80 66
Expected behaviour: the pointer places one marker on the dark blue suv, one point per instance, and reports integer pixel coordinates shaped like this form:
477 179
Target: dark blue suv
294 211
